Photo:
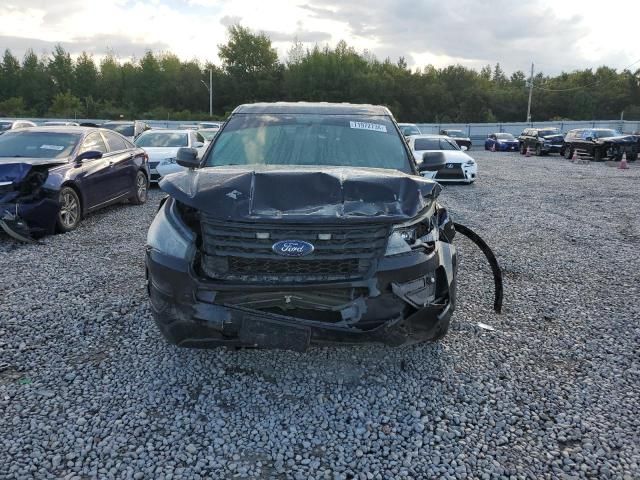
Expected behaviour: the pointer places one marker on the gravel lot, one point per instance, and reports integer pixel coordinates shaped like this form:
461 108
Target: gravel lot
88 388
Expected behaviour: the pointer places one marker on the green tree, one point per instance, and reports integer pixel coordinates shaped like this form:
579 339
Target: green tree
252 65
9 75
65 105
35 84
60 69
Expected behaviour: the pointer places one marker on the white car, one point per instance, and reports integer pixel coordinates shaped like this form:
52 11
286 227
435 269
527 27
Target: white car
459 167
162 147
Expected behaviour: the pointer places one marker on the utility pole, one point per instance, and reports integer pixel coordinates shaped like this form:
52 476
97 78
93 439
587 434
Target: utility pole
530 93
210 89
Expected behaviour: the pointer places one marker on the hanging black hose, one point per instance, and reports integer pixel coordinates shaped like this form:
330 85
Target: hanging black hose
493 261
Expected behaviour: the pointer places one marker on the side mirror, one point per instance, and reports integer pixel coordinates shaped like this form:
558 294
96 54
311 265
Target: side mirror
589 139
88 155
187 157
198 145
432 162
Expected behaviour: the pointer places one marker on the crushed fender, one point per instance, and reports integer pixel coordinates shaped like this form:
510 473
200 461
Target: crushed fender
493 262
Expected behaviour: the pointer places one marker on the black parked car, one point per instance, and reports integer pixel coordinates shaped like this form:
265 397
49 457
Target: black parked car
131 130
601 144
319 229
50 177
540 140
459 136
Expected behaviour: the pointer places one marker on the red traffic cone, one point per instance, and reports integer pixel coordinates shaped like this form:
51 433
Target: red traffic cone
493 147
528 152
623 163
574 157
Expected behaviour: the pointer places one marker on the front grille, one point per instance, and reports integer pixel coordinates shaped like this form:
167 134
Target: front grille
233 251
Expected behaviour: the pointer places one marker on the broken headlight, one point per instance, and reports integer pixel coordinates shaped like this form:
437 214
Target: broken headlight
168 233
404 236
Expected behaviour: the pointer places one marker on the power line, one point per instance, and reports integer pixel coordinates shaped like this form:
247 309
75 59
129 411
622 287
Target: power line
581 86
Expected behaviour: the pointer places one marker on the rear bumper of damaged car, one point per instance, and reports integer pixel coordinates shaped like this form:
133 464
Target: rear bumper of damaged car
410 299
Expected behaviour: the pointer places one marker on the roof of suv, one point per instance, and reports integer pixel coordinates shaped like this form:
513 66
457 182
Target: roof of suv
321 108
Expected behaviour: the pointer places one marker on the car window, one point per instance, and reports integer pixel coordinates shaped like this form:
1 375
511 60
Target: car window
199 137
116 142
122 128
30 144
503 136
309 139
93 142
434 144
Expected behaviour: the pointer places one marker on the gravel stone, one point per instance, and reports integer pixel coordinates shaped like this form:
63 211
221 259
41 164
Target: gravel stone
89 388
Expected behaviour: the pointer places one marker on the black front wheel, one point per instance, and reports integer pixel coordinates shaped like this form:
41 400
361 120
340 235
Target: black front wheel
70 212
523 149
568 153
597 155
538 150
141 189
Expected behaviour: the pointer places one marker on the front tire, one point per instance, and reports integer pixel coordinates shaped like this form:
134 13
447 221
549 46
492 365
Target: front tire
70 212
523 149
142 188
568 153
597 155
538 150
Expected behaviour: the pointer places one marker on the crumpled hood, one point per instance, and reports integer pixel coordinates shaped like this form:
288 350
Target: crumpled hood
16 169
157 154
302 194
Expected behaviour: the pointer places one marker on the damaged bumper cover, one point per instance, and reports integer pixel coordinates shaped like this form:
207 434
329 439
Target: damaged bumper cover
410 299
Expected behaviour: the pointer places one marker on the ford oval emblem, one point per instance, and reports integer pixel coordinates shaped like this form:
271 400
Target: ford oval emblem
292 248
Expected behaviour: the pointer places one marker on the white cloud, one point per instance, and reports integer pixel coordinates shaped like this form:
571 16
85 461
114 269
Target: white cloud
556 35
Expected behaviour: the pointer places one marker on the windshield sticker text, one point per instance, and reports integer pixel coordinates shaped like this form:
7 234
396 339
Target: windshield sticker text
368 126
57 148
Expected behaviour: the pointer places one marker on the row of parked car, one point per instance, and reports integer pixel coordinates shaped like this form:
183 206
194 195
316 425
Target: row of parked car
598 143
54 174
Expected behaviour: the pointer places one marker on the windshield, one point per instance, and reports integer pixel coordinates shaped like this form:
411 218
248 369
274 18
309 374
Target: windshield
125 129
604 133
37 144
163 139
544 133
303 139
409 130
434 144
504 136
455 133
208 134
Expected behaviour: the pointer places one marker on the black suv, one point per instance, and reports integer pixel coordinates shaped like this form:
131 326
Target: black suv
460 138
320 229
541 140
601 144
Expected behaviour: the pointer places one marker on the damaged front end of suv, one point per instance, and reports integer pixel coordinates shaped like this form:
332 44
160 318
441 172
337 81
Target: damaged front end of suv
245 254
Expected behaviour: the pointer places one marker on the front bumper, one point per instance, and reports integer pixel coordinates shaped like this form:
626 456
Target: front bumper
39 216
410 299
457 173
554 148
508 147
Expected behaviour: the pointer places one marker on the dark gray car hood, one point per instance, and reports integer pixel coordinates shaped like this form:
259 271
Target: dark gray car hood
302 194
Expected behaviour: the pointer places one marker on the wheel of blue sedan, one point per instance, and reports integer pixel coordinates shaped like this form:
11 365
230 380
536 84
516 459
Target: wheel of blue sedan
142 186
70 212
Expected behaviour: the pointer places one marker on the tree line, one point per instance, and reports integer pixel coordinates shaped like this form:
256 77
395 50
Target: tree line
160 85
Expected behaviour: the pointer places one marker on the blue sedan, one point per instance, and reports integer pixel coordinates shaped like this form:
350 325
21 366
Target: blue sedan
503 142
50 177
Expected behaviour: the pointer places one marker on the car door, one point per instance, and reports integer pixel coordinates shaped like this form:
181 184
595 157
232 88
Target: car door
94 176
121 162
491 141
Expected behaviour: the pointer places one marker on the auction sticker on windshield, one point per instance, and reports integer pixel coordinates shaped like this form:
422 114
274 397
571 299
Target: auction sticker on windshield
368 126
58 148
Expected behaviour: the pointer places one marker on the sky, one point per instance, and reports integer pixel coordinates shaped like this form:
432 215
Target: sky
557 35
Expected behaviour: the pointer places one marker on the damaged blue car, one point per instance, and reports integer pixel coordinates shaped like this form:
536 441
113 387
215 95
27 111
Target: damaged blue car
51 177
